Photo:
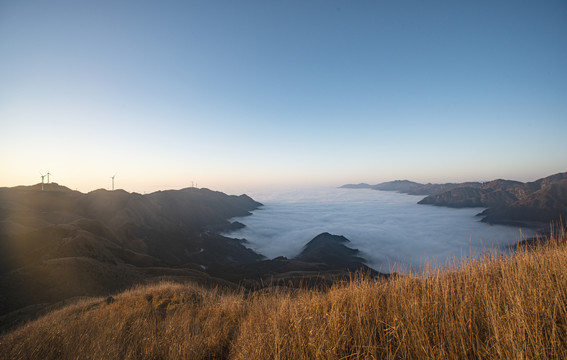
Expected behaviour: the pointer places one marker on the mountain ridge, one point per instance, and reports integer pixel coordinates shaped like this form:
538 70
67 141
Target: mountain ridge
58 243
532 204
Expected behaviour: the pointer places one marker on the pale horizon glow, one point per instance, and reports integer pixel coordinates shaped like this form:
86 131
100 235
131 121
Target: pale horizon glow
252 95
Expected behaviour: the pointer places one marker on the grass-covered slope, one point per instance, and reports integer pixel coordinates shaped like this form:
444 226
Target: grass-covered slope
498 308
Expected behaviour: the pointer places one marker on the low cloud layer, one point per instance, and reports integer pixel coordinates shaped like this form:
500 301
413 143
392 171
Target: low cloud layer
389 228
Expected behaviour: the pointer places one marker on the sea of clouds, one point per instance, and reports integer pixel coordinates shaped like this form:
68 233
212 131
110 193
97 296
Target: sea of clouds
390 228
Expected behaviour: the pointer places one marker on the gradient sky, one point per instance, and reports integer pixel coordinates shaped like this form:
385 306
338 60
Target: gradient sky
241 94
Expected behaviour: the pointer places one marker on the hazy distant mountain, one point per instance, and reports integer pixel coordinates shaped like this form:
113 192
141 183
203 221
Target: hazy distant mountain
406 187
356 186
403 186
511 202
429 189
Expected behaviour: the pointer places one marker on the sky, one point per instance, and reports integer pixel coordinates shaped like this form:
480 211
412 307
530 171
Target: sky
238 95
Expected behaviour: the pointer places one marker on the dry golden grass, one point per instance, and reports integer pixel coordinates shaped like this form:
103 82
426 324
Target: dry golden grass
512 307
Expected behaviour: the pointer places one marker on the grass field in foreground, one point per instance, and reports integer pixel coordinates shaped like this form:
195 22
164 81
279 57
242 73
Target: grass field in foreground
512 307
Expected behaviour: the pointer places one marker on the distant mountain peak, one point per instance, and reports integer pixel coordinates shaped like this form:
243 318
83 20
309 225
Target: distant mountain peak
356 186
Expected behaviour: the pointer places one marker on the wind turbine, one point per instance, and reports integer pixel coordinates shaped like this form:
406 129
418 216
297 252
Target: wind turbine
112 177
48 176
42 176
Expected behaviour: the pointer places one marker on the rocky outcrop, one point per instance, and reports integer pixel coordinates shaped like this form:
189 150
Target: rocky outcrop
332 250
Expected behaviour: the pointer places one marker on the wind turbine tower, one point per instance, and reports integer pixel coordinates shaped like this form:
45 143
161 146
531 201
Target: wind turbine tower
42 177
112 177
48 176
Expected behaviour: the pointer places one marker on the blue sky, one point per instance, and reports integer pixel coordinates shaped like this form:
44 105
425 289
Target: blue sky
235 95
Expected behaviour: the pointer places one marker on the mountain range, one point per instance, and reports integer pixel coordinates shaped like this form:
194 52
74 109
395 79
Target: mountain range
532 204
57 244
406 187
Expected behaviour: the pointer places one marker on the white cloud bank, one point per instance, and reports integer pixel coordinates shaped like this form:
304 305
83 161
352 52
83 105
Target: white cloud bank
389 228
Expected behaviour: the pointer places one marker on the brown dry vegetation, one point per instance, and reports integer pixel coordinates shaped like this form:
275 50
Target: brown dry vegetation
511 307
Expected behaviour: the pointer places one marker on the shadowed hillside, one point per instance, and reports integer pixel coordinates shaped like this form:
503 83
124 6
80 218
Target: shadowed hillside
58 243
